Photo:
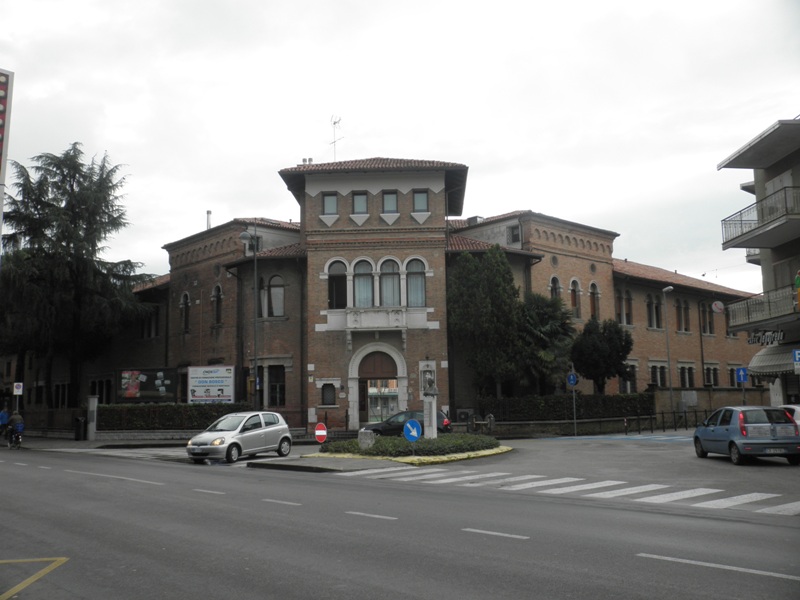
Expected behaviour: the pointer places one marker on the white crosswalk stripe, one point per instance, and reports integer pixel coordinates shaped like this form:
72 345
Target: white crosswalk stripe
468 478
375 471
429 476
536 484
627 491
582 487
398 476
734 500
792 508
506 480
672 497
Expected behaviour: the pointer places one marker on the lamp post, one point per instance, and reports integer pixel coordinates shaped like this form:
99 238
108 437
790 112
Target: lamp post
246 237
664 293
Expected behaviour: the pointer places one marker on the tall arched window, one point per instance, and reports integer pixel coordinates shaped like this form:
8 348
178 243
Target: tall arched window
276 297
628 308
337 285
651 311
362 285
575 299
390 283
618 307
185 306
415 283
262 297
657 310
594 302
555 288
216 298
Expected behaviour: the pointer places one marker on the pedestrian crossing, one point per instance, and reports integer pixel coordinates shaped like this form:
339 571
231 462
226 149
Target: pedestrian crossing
649 493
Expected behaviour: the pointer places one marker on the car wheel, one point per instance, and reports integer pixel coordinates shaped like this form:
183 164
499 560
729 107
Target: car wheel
284 447
198 461
793 460
698 448
736 455
233 453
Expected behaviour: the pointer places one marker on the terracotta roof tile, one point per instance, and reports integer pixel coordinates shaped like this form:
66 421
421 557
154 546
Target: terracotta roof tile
663 277
374 164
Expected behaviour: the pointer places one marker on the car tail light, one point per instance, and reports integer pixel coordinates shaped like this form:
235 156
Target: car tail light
742 426
796 432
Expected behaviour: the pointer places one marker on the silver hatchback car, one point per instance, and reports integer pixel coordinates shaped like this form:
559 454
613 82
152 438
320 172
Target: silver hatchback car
241 434
742 431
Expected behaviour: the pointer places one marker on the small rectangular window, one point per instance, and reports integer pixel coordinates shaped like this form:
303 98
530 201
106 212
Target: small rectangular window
513 234
359 203
390 202
421 201
329 204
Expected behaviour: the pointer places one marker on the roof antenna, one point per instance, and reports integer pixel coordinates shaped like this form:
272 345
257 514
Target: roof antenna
334 124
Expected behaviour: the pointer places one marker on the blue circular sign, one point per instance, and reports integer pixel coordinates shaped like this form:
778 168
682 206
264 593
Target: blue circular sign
412 430
572 379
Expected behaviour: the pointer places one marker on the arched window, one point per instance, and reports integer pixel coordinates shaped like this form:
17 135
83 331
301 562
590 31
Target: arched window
216 298
555 288
362 285
575 299
628 308
415 283
651 312
185 306
657 313
337 285
390 283
594 302
262 297
618 307
276 297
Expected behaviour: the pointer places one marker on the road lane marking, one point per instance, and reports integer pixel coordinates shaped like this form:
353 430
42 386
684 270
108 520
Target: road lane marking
497 533
467 478
664 498
583 486
627 491
270 500
416 470
717 566
374 471
507 480
113 477
362 514
55 563
208 492
429 476
534 484
734 500
792 508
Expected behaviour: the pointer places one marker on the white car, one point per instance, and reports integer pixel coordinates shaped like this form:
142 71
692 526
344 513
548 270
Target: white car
241 434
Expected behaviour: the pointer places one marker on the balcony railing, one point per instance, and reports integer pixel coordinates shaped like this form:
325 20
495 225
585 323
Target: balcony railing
782 203
769 305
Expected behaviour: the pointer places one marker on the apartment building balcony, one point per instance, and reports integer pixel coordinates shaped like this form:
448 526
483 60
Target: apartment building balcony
763 310
769 223
753 256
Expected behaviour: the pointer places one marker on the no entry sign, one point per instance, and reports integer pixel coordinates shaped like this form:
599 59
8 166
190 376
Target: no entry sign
321 432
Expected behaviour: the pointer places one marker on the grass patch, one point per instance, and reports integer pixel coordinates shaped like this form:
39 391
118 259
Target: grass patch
447 443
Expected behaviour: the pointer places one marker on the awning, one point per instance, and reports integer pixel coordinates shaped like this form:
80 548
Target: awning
772 360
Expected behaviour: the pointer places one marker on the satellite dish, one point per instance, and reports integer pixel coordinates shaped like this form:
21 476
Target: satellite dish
718 307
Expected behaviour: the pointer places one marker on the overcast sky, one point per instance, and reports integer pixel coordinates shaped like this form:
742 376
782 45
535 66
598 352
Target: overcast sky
610 113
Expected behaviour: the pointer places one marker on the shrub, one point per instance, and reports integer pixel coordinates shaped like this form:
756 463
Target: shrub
448 443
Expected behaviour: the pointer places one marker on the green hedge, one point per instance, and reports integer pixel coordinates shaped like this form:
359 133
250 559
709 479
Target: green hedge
557 408
447 443
162 416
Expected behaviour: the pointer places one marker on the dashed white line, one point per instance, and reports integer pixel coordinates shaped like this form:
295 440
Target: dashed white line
497 533
209 492
371 516
287 503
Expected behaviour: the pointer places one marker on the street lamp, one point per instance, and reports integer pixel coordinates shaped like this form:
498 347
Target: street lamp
664 293
252 238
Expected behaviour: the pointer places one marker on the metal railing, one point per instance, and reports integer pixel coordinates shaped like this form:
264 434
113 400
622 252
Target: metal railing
775 303
785 201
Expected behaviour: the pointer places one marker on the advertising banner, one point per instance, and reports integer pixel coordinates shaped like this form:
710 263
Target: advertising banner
147 385
211 385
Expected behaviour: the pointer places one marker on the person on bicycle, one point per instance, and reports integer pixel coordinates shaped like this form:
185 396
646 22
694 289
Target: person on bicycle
3 421
12 423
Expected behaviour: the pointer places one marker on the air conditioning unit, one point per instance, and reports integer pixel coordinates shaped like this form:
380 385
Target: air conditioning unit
464 415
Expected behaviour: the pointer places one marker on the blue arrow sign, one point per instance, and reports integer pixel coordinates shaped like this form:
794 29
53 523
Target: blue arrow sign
572 379
741 375
412 430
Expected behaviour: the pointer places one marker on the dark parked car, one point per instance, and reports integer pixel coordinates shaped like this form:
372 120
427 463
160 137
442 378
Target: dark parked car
742 431
394 424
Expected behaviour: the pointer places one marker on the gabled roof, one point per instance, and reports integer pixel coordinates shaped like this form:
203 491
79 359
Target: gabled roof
662 277
455 178
151 284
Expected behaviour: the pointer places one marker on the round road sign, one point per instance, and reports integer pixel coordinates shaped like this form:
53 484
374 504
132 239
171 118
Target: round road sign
321 432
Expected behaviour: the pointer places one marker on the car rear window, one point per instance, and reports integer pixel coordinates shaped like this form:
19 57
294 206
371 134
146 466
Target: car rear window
766 416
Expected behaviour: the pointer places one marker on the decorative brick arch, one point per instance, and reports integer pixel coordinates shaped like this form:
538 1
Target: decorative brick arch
352 377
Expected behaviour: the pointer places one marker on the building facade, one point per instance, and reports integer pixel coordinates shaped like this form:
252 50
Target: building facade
769 228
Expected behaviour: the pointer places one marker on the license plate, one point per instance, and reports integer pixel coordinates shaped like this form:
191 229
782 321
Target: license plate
775 451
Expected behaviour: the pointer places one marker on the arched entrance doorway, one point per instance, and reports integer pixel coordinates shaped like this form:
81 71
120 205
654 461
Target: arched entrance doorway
378 389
